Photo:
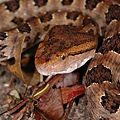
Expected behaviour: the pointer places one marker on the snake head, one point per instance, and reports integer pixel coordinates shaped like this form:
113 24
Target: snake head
64 49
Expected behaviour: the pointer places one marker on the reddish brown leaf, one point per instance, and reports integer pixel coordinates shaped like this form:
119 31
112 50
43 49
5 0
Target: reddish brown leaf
69 93
39 115
50 104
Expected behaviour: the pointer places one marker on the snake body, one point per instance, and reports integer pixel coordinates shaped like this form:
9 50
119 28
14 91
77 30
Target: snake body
91 19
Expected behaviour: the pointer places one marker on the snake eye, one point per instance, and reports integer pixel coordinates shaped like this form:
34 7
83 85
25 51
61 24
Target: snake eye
63 57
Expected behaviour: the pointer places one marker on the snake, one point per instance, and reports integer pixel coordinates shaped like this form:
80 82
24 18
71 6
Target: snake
69 32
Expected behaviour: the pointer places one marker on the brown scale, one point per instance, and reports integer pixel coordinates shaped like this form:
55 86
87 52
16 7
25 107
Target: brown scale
113 13
13 5
17 20
91 4
73 15
98 75
87 21
67 2
40 3
112 43
110 102
24 27
45 17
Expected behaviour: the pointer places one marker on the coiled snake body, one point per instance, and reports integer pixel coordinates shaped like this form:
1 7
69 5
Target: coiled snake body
79 23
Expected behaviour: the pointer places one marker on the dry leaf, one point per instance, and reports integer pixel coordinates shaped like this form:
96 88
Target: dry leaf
50 104
29 79
16 68
69 93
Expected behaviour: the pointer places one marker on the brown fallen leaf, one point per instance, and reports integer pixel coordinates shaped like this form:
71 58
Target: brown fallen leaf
50 105
70 93
39 115
29 79
16 68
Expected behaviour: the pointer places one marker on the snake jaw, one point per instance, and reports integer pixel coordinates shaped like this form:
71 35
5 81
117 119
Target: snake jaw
67 65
